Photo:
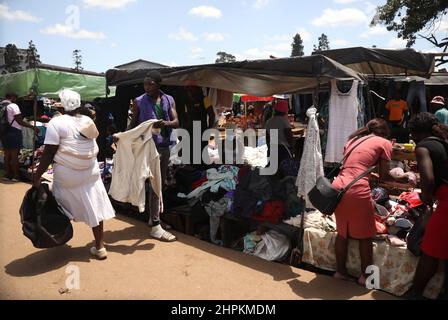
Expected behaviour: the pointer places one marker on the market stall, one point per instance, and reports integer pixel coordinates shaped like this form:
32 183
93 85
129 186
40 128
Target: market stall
244 195
38 89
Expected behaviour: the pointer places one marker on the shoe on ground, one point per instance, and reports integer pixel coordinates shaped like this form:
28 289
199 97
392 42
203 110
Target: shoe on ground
99 254
161 234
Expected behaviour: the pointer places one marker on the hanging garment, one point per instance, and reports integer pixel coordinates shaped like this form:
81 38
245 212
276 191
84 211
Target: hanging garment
311 165
417 89
136 160
343 120
361 107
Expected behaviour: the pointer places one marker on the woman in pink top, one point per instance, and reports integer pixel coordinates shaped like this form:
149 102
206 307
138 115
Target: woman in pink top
355 214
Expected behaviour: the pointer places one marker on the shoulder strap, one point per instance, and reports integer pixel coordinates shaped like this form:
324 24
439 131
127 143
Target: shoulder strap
363 175
445 143
6 114
352 149
346 156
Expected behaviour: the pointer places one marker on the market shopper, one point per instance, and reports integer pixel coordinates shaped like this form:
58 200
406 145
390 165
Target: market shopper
432 159
397 109
155 104
440 110
355 214
77 186
12 139
280 123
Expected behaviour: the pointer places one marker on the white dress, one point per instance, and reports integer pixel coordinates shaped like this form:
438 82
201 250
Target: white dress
77 184
343 120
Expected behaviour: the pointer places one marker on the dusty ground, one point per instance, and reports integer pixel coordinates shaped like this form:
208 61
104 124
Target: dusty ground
142 268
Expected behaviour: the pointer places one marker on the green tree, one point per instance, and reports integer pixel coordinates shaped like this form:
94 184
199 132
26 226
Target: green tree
225 57
297 46
324 43
32 58
12 58
77 59
409 17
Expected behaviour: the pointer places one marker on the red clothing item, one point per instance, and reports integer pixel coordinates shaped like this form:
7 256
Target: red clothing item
355 214
435 241
272 212
198 183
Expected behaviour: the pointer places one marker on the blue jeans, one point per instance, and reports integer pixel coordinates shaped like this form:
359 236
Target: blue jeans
417 90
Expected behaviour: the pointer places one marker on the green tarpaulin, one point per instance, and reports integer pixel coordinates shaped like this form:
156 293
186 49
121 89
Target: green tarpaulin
49 83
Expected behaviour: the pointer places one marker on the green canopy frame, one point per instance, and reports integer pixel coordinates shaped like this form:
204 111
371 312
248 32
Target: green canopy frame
49 83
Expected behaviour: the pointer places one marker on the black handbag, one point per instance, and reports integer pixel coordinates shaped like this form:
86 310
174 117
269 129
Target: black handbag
324 197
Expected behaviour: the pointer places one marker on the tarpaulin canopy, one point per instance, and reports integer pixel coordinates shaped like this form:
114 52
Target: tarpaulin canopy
49 83
384 62
258 78
436 79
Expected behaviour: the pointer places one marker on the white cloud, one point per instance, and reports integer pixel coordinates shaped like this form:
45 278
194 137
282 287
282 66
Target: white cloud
283 46
182 34
375 31
260 3
370 9
17 15
345 1
196 50
171 64
107 4
340 43
305 35
69 32
206 12
280 44
442 26
215 36
396 43
257 53
196 53
340 18
113 45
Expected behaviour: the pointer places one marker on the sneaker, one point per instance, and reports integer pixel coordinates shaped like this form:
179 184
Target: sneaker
6 179
15 180
99 254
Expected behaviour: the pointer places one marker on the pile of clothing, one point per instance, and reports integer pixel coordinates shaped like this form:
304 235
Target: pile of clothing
395 219
211 189
264 198
314 219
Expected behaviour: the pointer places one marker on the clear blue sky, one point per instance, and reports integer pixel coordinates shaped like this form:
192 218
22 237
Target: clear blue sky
183 32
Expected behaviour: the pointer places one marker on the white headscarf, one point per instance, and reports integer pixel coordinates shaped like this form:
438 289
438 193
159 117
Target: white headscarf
70 100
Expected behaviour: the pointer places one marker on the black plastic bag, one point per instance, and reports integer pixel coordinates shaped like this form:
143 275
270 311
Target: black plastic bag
43 221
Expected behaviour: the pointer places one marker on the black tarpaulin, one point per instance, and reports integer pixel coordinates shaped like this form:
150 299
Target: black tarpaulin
259 77
384 62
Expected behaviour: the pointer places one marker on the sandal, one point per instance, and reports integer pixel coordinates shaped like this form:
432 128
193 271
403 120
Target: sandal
166 237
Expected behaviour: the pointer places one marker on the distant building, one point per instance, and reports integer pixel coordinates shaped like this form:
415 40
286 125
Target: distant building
140 64
22 57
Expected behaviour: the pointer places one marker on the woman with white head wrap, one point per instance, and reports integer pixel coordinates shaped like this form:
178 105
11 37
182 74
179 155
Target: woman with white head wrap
77 186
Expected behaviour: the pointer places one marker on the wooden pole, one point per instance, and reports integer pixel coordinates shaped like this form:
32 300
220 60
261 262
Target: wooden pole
35 91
